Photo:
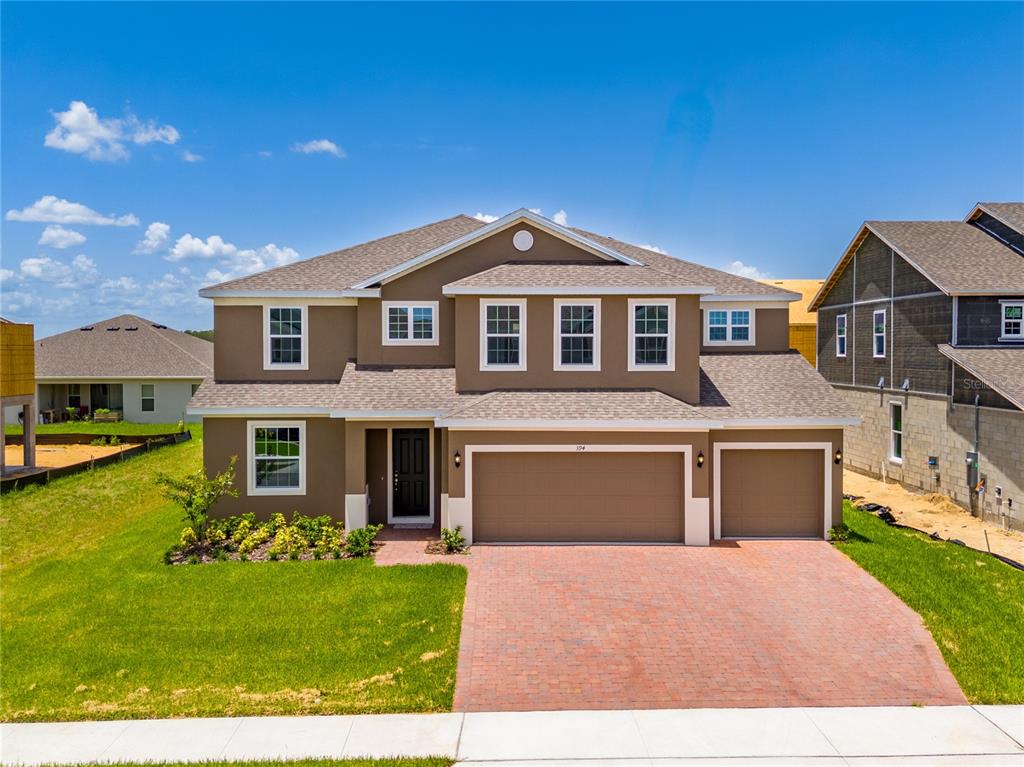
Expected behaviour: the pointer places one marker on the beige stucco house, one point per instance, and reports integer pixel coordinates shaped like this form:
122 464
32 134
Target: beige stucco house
527 381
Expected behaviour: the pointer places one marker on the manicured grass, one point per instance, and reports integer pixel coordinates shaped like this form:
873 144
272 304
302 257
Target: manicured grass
94 626
972 603
90 427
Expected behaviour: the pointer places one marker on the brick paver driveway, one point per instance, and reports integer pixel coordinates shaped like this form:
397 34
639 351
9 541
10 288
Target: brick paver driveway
766 623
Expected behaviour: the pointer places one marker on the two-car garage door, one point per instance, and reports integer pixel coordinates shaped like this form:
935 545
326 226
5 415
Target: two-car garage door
578 496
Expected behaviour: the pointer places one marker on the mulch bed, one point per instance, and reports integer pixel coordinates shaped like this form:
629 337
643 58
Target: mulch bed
205 555
437 549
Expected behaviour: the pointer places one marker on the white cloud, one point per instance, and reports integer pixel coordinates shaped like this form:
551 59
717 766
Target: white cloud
487 218
213 246
154 239
320 145
746 270
655 248
189 156
119 283
80 130
52 209
535 210
6 275
81 270
265 153
56 236
560 218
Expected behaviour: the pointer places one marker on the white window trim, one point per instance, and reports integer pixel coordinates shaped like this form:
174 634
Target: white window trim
142 396
304 319
385 306
1002 321
875 334
557 360
521 303
892 433
846 335
728 309
668 367
250 466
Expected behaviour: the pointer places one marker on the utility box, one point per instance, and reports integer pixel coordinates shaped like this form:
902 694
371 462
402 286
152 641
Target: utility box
972 469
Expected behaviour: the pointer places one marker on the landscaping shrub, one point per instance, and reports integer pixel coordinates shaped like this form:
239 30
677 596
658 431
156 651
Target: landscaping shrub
98 442
840 533
196 493
359 542
453 540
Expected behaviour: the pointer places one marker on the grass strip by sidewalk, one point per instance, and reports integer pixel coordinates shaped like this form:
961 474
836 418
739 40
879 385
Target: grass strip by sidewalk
972 603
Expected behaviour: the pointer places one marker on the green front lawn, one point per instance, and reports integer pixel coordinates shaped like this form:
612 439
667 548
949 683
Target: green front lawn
94 626
972 603
91 427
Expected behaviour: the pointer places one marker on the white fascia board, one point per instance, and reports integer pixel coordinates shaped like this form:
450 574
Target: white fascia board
486 231
789 423
689 290
115 379
387 415
257 411
349 293
513 424
763 301
993 292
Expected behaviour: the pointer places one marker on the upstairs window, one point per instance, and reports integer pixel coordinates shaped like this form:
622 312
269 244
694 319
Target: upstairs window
504 335
577 330
1013 321
410 323
149 398
286 338
277 458
878 332
840 335
651 340
728 326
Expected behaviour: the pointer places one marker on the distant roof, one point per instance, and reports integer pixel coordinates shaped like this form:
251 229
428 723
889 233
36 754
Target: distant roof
798 313
1002 368
958 258
127 346
564 276
1010 213
348 269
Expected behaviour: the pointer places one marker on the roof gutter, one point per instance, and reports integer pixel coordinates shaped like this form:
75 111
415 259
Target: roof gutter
578 290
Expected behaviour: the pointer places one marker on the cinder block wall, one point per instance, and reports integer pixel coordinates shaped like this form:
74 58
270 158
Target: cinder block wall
931 428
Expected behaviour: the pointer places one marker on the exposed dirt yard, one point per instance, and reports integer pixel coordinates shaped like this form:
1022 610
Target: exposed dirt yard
55 456
934 513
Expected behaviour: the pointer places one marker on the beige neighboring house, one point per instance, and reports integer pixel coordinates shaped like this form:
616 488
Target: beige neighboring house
527 381
803 323
140 370
17 389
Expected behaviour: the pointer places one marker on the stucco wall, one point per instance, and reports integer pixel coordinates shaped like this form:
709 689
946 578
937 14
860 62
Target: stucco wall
931 428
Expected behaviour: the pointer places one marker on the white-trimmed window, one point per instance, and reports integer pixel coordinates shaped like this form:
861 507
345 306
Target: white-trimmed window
503 335
878 332
1012 326
195 388
577 335
725 325
287 334
409 323
277 458
148 399
75 395
896 432
651 334
840 335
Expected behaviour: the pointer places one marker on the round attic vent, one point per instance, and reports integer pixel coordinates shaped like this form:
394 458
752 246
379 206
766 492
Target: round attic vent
523 240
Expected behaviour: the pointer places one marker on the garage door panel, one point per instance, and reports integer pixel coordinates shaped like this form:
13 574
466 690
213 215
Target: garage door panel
772 493
577 497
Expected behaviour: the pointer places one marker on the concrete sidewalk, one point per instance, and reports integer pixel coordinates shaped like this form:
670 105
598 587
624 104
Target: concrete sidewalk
967 735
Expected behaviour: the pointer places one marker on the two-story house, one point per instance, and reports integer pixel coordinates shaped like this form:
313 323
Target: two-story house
920 330
525 380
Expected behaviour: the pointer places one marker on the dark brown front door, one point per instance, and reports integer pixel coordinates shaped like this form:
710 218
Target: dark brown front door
410 469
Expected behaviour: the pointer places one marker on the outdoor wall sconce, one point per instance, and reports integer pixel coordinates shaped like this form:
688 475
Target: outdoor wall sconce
839 457
700 459
458 459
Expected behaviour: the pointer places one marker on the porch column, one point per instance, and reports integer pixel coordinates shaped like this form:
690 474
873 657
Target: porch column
28 415
3 440
355 475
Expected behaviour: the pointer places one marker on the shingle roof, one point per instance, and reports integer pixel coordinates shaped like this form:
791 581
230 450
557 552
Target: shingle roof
1010 213
573 405
126 346
343 269
401 388
1002 368
589 275
239 396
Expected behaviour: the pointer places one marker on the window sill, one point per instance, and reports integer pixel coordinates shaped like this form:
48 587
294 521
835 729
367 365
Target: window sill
729 343
411 342
502 368
286 366
1011 339
651 368
577 368
895 461
276 491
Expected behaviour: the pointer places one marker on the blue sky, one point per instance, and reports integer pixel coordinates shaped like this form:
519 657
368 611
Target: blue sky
150 149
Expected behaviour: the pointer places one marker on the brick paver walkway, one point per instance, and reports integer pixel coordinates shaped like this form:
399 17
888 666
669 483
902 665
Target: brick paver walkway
787 623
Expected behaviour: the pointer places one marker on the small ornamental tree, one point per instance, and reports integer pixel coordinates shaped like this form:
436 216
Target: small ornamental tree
196 493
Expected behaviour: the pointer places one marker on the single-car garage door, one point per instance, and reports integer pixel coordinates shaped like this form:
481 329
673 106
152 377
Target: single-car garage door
772 493
578 497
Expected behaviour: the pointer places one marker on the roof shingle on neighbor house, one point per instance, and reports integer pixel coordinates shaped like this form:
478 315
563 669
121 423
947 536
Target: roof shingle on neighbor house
126 346
1010 213
1001 368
